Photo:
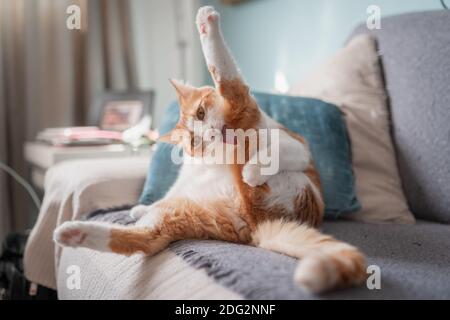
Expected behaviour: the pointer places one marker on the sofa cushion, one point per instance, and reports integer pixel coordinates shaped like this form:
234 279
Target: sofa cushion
413 262
74 188
319 122
352 79
162 172
415 52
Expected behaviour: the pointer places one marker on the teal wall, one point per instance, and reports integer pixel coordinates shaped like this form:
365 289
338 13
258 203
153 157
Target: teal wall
295 35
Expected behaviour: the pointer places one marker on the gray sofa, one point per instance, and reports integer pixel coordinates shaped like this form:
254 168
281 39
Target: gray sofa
414 260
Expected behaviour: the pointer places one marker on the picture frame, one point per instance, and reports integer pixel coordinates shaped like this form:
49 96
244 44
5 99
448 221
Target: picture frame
121 110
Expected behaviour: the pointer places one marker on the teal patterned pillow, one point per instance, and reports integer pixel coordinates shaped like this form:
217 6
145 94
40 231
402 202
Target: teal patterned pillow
320 123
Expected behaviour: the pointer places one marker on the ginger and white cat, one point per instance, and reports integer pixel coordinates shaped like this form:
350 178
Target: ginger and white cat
232 202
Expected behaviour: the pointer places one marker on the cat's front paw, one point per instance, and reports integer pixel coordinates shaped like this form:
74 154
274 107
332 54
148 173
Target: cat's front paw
139 211
70 234
251 175
207 20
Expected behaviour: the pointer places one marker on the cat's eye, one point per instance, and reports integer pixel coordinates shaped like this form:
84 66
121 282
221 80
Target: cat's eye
200 113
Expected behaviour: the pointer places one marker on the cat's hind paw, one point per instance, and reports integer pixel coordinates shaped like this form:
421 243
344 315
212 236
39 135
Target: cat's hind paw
86 234
207 19
70 234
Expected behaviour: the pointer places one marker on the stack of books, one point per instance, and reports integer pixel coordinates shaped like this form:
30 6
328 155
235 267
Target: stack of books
76 136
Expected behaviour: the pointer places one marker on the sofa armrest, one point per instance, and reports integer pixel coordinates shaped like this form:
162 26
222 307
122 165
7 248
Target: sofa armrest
96 183
73 189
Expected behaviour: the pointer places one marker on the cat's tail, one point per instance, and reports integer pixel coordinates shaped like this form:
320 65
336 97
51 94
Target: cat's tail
325 263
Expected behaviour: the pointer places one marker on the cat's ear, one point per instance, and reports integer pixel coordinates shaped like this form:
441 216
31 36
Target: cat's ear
174 136
183 90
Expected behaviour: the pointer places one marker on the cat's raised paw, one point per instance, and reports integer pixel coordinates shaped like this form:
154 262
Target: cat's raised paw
69 234
207 19
251 175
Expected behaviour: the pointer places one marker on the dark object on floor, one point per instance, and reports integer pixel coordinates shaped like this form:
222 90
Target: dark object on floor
13 284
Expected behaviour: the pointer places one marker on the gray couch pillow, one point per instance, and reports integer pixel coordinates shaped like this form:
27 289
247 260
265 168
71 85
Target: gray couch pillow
415 52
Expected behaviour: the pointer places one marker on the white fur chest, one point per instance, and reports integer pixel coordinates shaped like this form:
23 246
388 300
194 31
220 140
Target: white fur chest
201 182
